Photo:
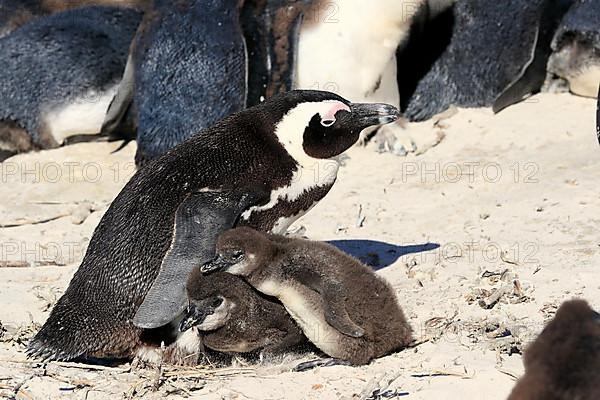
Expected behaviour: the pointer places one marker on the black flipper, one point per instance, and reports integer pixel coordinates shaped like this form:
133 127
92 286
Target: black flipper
200 218
533 74
119 122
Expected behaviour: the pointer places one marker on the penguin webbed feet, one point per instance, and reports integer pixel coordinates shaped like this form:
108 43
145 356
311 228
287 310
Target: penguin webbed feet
321 362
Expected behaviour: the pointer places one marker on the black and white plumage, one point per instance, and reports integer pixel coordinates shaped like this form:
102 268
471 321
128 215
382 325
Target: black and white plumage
185 72
253 168
195 62
59 74
477 54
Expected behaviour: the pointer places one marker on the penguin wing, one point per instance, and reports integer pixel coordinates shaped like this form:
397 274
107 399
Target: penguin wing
199 220
118 123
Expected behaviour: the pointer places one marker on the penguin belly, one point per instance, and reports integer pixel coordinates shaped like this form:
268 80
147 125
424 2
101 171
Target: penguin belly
341 52
82 116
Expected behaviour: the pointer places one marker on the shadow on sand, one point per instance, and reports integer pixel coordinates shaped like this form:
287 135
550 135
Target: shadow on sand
379 255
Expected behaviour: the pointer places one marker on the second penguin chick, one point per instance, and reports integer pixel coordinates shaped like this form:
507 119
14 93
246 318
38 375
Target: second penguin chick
232 317
564 361
342 306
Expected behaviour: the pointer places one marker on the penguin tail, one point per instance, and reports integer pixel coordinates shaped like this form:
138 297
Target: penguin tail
44 350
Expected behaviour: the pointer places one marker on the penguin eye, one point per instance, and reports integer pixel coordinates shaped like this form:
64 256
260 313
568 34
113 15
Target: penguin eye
216 302
327 122
237 254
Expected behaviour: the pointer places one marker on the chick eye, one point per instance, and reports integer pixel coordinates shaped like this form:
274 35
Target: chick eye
237 254
216 302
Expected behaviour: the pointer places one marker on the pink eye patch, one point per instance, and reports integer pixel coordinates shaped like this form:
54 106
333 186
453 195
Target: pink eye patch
329 118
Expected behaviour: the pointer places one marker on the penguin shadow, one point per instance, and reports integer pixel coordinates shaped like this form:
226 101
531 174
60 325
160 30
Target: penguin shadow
379 255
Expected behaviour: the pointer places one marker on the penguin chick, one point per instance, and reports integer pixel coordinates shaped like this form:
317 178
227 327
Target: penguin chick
564 361
341 305
232 317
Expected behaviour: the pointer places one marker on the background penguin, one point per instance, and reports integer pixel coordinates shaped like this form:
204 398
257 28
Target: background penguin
189 68
59 74
15 13
232 317
186 71
576 48
341 305
349 48
271 31
478 54
564 361
251 168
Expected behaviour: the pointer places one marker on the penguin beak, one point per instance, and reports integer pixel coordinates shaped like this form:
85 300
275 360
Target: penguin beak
214 265
192 317
370 114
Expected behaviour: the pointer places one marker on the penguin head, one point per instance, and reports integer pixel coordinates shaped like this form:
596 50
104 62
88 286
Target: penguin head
241 251
323 125
211 300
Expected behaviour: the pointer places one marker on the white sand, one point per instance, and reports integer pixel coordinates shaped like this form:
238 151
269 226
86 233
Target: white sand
502 199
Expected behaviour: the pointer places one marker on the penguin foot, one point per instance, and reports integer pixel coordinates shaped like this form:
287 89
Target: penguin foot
391 138
322 362
397 140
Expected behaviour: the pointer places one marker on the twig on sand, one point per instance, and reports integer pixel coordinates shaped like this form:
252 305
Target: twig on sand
65 364
507 372
159 368
34 222
438 373
14 264
19 385
491 301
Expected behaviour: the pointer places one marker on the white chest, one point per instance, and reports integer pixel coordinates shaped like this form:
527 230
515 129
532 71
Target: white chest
82 116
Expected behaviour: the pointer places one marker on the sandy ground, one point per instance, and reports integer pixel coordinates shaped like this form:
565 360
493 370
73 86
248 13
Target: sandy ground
482 236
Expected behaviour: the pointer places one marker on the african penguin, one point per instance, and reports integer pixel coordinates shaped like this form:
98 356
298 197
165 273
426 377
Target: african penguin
59 74
576 48
232 317
15 13
256 167
564 361
476 54
340 304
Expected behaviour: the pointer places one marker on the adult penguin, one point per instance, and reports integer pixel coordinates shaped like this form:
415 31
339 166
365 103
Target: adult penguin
263 167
